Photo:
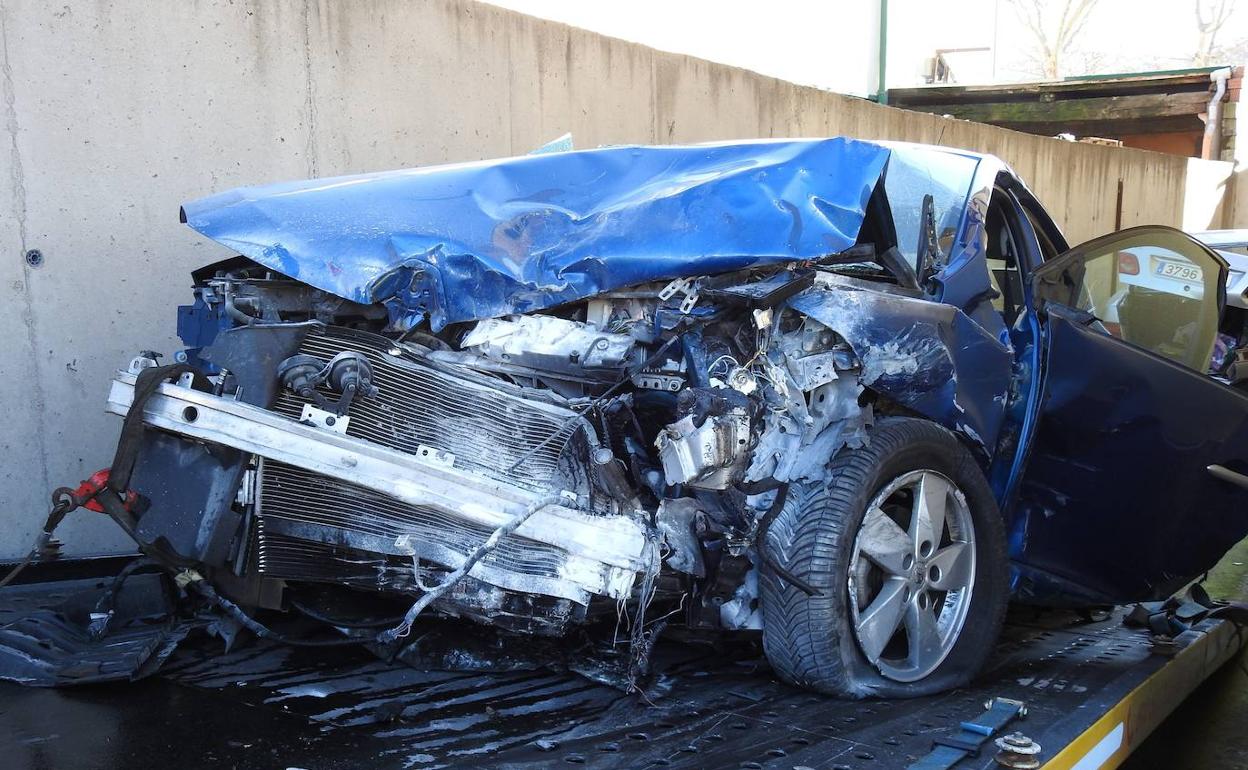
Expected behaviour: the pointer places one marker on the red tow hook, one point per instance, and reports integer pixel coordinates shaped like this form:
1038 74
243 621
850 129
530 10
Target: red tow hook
84 495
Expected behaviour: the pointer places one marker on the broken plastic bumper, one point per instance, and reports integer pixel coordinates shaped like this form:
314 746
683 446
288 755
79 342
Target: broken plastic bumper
596 554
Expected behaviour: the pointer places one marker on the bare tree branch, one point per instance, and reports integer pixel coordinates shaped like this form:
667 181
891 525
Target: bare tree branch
1211 15
1053 41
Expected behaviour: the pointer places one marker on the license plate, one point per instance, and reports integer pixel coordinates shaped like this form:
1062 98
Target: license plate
1179 271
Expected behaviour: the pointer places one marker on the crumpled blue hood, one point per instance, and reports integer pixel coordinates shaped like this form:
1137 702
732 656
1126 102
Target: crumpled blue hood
479 240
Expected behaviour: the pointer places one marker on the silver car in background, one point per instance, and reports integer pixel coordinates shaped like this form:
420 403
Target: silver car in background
1233 246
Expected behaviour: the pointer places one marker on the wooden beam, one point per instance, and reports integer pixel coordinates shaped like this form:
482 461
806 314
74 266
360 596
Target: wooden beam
1101 109
1048 89
1111 129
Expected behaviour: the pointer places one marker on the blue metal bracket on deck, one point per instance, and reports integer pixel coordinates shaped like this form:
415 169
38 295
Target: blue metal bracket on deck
975 733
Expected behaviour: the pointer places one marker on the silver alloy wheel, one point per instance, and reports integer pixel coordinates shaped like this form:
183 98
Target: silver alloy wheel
912 574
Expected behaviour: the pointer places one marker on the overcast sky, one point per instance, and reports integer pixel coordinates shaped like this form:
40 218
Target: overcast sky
815 42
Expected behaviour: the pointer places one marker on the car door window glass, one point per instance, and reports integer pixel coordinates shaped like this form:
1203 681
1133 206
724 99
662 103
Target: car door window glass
1157 291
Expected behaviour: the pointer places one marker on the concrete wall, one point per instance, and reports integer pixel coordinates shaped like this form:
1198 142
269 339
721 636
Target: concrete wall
116 111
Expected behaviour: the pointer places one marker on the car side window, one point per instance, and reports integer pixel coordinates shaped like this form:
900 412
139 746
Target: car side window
1157 290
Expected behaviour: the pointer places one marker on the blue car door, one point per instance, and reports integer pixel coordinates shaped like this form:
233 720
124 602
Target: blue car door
1136 458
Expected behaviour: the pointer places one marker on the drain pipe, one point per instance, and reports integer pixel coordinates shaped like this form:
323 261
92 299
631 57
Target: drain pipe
881 91
1211 146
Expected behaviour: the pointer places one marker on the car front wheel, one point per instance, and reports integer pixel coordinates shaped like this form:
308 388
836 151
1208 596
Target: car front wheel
904 549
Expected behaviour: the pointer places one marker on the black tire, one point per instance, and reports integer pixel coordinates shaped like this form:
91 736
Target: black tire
810 640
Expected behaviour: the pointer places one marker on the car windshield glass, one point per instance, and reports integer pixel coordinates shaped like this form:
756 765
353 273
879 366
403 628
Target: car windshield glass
914 172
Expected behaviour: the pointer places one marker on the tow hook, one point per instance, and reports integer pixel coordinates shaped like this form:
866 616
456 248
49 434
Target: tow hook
85 494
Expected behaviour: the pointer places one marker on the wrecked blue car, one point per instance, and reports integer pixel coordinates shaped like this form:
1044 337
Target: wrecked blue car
856 396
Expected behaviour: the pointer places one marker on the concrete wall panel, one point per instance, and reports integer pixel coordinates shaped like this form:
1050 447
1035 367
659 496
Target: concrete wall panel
121 110
23 478
116 111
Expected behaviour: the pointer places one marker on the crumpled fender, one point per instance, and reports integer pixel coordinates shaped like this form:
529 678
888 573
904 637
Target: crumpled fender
925 355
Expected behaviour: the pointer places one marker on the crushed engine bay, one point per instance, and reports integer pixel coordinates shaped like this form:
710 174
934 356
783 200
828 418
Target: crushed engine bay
630 448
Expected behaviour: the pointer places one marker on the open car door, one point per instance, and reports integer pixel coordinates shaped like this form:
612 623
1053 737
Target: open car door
1136 477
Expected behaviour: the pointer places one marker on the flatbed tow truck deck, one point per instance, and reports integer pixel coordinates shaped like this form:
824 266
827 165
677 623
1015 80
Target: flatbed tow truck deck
1093 691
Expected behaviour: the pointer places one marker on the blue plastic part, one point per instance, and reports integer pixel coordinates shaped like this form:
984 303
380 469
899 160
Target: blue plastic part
198 326
971 727
478 240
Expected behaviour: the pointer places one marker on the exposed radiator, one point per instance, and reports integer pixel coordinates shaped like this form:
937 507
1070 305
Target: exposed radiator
487 429
295 503
341 509
309 527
